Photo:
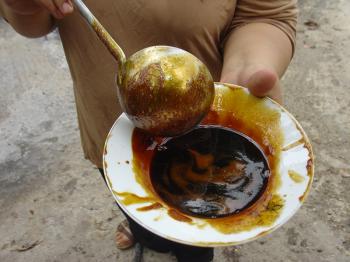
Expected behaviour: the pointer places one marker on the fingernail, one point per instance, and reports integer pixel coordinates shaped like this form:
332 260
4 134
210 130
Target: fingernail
66 8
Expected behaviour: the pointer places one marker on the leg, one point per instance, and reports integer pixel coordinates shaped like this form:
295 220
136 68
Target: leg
185 253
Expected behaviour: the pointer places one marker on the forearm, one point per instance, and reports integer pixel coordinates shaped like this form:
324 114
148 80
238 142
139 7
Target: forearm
36 24
252 47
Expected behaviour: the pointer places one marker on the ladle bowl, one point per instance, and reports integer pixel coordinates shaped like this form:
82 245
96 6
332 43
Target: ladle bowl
163 90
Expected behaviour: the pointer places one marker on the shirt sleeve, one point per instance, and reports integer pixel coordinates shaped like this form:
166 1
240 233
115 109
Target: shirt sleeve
280 13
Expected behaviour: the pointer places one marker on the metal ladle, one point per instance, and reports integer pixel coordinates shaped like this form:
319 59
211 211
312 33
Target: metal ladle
163 90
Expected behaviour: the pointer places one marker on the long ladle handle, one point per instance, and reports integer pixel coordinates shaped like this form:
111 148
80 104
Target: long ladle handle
101 32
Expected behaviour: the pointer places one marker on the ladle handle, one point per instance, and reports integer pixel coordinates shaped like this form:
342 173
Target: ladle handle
101 32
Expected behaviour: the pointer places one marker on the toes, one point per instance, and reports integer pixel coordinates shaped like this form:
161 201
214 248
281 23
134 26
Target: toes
123 236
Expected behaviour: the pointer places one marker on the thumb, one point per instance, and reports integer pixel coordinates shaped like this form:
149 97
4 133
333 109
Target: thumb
262 82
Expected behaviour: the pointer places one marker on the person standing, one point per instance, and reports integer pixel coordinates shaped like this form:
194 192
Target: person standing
244 42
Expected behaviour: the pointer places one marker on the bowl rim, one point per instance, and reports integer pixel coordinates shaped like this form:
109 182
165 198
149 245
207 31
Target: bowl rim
228 243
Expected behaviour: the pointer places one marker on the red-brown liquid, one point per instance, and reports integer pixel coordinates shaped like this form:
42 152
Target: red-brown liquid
209 172
236 110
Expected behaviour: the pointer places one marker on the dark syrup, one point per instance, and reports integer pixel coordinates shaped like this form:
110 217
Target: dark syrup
209 172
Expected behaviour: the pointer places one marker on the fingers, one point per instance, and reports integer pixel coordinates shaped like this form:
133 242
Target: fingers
261 82
65 7
265 82
258 79
58 8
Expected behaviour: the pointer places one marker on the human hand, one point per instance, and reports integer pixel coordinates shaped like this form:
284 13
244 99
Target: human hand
260 81
58 8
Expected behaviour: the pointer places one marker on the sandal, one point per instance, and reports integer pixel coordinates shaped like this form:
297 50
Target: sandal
123 236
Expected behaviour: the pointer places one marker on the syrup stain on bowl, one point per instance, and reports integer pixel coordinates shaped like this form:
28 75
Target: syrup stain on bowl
297 178
232 187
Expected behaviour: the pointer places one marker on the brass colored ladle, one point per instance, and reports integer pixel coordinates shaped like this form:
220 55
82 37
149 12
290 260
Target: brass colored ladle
163 90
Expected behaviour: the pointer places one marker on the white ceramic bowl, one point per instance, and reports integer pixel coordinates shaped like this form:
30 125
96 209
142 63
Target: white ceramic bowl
294 171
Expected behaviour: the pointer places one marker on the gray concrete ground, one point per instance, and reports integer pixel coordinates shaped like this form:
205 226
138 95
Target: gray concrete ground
54 203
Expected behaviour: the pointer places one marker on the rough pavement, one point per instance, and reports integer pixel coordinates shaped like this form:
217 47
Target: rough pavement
54 203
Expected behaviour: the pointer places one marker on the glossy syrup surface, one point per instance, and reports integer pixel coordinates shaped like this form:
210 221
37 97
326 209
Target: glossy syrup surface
209 172
235 110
